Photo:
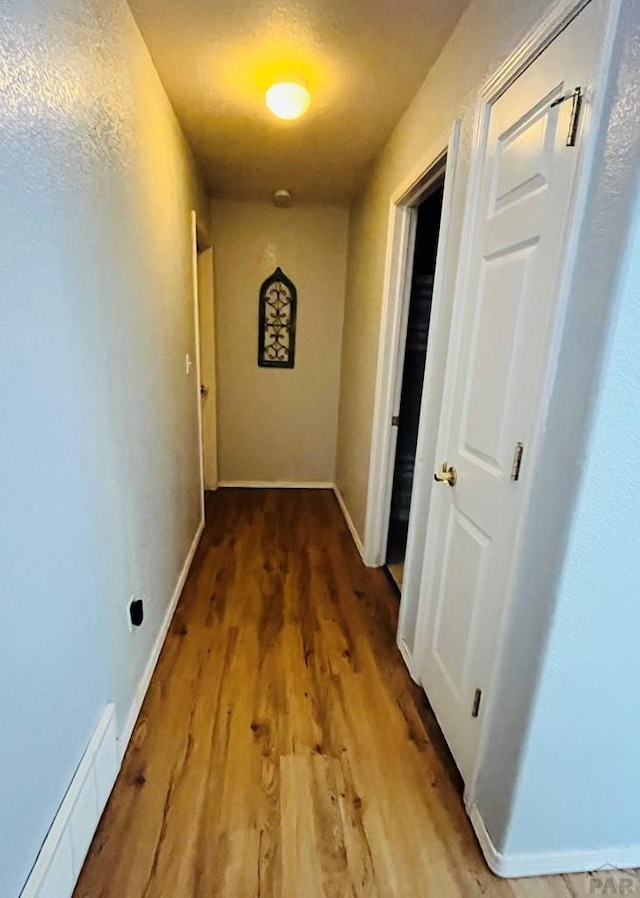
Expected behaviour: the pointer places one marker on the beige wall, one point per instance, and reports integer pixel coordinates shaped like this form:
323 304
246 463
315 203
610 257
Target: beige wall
278 425
100 461
484 37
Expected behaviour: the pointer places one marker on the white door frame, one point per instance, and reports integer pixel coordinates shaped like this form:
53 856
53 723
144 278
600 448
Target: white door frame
196 324
533 45
401 234
208 362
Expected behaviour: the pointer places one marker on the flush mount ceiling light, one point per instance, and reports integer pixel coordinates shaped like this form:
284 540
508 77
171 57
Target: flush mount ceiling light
288 99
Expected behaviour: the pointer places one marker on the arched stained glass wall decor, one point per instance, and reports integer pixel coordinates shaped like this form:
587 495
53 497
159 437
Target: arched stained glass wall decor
277 325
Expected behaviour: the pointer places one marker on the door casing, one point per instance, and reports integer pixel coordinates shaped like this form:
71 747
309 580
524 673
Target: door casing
401 231
196 349
206 310
536 42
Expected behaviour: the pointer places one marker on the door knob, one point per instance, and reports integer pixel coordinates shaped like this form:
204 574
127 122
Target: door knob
447 475
204 391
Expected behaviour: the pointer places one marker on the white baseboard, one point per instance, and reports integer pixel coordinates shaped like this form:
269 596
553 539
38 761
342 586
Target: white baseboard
141 691
349 520
60 860
626 857
278 484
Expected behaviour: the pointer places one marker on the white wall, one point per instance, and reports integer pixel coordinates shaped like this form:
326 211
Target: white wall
98 443
278 424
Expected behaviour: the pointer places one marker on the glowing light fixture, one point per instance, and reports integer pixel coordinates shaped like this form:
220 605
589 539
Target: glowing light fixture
288 99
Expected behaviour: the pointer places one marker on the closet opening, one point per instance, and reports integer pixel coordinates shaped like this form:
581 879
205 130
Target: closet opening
414 354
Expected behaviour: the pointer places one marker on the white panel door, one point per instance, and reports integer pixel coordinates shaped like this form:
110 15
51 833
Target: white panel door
496 367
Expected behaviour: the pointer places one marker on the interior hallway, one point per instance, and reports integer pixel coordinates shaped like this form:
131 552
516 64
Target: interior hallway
282 750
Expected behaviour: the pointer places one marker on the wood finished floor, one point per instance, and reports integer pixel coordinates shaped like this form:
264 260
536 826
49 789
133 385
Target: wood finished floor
282 750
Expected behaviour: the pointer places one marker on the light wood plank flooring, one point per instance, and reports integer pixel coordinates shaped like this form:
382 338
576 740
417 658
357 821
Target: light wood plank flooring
397 572
282 750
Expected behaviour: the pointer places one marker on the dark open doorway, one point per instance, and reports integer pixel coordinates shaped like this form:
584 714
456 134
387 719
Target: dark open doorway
424 265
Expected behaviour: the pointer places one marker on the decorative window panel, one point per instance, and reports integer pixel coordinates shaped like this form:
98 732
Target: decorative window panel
277 326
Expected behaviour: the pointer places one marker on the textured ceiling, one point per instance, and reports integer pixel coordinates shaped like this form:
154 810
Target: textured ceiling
362 61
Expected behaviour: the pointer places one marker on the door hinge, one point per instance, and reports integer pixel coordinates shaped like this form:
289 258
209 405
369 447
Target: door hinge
395 421
477 698
517 462
574 121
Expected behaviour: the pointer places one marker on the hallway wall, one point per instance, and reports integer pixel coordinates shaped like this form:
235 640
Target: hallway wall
278 425
98 443
561 695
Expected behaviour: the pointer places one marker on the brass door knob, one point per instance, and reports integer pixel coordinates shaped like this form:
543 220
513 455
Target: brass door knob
447 475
